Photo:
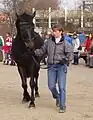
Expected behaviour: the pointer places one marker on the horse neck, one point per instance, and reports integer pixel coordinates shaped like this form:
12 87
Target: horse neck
38 40
18 37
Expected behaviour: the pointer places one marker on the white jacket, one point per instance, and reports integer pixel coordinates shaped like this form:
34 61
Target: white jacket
76 44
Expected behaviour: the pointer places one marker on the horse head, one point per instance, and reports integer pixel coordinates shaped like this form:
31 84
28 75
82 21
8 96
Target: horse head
25 28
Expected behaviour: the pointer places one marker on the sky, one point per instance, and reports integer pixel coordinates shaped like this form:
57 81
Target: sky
70 3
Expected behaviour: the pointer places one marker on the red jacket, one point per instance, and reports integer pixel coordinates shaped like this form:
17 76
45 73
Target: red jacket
6 49
88 43
8 41
8 44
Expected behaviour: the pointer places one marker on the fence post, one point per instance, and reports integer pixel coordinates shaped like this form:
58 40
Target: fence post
49 20
82 17
66 15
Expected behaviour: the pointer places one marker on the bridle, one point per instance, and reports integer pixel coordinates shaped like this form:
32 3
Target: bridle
27 26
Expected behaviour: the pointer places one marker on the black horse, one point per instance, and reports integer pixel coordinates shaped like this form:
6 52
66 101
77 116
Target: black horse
28 66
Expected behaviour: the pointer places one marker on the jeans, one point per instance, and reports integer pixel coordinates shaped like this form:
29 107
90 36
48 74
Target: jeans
75 58
58 72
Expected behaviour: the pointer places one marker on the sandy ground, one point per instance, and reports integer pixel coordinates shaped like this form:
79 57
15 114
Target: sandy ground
79 96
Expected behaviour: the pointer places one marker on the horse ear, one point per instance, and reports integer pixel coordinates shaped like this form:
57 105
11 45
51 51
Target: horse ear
34 14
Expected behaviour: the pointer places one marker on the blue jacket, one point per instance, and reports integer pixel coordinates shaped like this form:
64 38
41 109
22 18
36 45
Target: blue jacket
69 39
82 38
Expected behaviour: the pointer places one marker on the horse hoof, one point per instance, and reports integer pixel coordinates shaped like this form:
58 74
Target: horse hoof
28 98
37 95
25 100
31 105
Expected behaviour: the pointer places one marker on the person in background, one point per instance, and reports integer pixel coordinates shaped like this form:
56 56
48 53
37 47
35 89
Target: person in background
76 44
1 51
68 38
88 47
7 47
60 53
1 42
8 39
88 42
82 37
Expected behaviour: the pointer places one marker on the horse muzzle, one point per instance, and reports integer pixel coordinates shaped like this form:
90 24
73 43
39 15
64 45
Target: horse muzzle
29 45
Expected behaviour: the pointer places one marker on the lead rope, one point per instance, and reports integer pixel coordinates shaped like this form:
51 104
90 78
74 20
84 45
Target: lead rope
38 63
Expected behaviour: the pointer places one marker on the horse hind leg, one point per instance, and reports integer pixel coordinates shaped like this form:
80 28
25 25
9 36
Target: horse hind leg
26 96
36 85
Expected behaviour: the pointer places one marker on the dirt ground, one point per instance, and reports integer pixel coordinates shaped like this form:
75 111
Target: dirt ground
79 96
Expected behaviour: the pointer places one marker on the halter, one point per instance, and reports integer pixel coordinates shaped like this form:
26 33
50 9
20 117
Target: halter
24 25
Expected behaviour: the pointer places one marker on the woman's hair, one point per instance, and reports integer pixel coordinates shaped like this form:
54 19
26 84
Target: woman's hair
57 27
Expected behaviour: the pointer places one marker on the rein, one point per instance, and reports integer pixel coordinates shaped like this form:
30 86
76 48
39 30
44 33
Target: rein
38 63
34 59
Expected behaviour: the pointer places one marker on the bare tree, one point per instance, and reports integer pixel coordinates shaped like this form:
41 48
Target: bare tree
10 7
42 4
19 6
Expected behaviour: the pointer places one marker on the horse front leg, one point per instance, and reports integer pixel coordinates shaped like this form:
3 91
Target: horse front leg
32 85
36 85
22 72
